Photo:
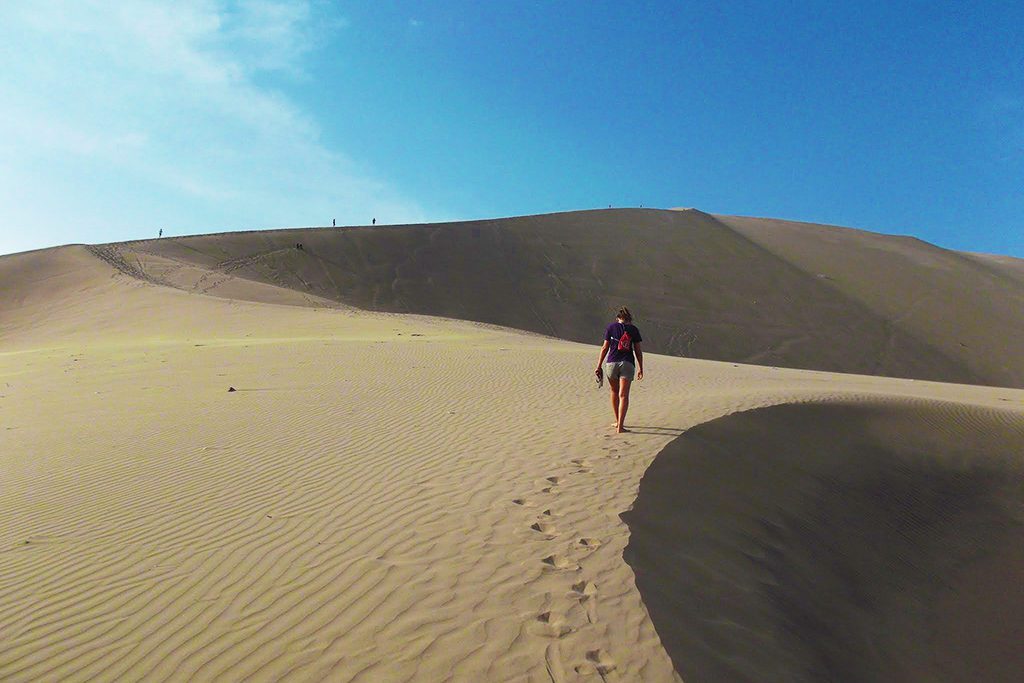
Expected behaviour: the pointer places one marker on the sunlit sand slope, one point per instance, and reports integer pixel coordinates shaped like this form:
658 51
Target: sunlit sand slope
869 540
716 287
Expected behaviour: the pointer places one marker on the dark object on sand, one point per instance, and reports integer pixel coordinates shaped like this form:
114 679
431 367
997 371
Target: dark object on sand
230 389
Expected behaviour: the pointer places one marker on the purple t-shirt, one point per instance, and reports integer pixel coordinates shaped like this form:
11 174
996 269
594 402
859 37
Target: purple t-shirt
614 336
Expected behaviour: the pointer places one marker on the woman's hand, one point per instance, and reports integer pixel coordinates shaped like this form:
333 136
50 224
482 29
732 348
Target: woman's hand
639 374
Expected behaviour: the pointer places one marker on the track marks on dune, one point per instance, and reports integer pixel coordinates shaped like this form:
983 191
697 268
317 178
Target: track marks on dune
116 258
275 266
569 613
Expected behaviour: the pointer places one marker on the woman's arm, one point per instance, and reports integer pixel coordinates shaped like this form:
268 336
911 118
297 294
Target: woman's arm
639 360
604 350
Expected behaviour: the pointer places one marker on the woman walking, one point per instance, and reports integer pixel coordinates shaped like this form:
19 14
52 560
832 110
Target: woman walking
621 341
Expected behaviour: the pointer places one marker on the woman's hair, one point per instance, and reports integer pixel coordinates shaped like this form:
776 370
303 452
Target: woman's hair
624 315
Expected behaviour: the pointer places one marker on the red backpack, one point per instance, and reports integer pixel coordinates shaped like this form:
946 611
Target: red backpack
625 341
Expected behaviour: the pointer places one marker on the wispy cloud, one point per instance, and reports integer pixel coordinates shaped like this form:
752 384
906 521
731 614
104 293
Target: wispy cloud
152 99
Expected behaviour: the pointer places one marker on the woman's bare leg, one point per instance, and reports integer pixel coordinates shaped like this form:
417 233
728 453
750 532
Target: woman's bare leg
613 385
623 405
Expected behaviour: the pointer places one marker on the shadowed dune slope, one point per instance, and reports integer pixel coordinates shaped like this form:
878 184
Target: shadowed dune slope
1008 266
742 290
872 541
968 306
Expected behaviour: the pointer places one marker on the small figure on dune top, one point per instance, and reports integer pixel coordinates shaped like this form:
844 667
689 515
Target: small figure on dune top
621 345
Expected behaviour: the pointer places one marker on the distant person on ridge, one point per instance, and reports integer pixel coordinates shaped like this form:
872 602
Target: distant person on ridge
621 340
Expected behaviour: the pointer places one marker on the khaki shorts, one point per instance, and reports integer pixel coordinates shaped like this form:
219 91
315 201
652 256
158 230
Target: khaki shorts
623 369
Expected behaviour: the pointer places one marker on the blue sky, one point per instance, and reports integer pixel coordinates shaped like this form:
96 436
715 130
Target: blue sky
118 119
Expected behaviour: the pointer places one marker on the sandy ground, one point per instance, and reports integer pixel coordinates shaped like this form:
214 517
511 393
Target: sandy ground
383 498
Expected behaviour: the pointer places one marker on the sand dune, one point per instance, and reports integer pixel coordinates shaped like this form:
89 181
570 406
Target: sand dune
967 307
1006 265
715 287
837 541
400 497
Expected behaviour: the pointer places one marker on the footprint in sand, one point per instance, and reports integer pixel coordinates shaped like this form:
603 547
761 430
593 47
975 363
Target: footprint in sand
560 562
585 592
554 485
546 528
597 661
591 543
582 464
553 625
519 501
